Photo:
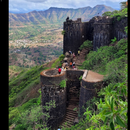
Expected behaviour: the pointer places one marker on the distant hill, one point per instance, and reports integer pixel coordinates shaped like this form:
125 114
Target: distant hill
57 15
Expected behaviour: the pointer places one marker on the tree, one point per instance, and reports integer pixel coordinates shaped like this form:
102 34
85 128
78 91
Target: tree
34 117
30 118
123 4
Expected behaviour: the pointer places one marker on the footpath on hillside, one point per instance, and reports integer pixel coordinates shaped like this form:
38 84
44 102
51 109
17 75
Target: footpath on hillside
78 59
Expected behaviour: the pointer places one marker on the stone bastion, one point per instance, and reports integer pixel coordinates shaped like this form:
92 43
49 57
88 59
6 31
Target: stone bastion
51 90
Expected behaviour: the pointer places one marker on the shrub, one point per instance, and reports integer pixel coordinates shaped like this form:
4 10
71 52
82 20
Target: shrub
107 13
99 59
86 44
63 84
118 18
113 40
126 30
115 70
58 62
63 32
119 14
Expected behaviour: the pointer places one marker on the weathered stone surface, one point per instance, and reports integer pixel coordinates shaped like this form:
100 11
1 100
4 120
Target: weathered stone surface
99 29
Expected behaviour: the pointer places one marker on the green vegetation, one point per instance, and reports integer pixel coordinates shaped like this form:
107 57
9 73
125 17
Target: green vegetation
63 84
86 44
80 78
33 117
118 14
58 62
63 32
126 29
97 60
25 32
123 5
21 91
113 40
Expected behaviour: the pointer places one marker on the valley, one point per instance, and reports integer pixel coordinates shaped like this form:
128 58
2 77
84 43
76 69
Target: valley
37 49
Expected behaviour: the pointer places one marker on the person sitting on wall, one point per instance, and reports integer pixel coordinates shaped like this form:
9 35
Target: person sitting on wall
59 70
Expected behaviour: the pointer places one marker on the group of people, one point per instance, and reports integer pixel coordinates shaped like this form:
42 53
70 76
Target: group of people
65 64
70 52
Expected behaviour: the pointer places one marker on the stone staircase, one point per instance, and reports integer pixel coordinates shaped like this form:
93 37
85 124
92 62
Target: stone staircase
70 113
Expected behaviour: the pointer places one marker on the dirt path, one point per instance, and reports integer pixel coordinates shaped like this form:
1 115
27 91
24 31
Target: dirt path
81 58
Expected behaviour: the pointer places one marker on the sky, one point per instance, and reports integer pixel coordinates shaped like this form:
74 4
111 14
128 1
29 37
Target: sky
25 6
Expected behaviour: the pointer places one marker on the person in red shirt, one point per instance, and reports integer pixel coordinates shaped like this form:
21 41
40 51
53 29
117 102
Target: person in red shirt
59 70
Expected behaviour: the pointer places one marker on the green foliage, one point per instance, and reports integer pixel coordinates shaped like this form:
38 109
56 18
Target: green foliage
58 62
63 84
99 59
19 86
113 40
126 30
107 13
30 118
119 14
118 18
123 5
63 32
86 44
115 70
29 32
80 78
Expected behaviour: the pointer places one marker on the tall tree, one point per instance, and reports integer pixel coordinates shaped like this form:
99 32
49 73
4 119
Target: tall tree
123 4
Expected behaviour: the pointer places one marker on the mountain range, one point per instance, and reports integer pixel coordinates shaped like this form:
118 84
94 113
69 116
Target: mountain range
57 15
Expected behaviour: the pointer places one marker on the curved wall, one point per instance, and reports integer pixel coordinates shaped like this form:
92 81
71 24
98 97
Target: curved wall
52 91
87 89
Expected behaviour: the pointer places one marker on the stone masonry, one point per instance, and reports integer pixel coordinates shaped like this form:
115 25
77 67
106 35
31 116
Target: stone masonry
99 29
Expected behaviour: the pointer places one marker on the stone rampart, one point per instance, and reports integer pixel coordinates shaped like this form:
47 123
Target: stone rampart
75 35
103 33
99 29
51 91
87 89
119 27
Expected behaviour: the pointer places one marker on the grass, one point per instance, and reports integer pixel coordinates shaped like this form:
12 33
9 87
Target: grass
22 84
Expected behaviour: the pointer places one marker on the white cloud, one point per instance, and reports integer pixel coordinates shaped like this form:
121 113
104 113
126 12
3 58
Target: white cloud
37 1
29 5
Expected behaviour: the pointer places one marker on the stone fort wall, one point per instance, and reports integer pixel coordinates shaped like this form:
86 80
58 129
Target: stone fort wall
99 29
51 91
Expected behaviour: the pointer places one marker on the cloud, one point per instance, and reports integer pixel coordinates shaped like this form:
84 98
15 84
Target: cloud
30 5
36 1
